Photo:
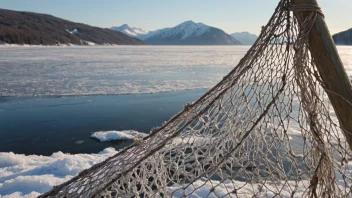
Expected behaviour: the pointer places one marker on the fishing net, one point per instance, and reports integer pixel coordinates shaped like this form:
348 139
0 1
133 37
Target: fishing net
267 129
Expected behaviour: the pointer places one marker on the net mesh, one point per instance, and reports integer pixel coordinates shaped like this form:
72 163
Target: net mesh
267 129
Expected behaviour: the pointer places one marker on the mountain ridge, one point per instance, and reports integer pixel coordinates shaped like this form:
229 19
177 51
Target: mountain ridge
18 27
129 30
188 33
343 38
245 38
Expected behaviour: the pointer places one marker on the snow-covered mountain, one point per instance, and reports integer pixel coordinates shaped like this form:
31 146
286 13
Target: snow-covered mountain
343 38
189 33
130 31
245 38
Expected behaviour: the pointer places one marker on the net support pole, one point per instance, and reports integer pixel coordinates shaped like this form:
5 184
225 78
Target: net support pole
331 69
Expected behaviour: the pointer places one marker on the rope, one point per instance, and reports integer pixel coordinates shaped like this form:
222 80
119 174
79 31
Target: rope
305 8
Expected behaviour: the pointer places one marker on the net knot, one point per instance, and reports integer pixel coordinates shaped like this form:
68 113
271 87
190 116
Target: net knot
138 142
314 183
155 129
188 106
305 8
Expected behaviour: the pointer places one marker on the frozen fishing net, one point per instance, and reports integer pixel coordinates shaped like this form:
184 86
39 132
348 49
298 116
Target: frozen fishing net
267 129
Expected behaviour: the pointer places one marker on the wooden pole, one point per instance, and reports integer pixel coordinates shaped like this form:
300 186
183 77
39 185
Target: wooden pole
331 69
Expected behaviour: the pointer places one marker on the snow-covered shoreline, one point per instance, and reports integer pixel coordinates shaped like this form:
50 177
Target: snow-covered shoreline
31 175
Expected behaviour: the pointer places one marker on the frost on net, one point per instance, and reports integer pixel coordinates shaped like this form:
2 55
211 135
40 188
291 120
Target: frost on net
267 129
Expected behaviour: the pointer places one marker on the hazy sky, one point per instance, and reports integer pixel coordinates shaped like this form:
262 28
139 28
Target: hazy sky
229 15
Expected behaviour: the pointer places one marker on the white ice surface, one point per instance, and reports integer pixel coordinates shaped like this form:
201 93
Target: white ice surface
104 136
43 71
34 71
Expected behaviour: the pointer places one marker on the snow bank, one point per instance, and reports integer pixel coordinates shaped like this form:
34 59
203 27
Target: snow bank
18 194
89 43
20 45
105 136
31 175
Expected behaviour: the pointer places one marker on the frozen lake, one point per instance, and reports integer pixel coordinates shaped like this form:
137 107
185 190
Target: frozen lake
46 71
43 71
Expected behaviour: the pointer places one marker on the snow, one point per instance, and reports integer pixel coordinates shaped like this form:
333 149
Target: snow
31 175
89 43
195 140
213 189
6 45
186 30
191 29
104 136
130 31
19 194
202 188
74 31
